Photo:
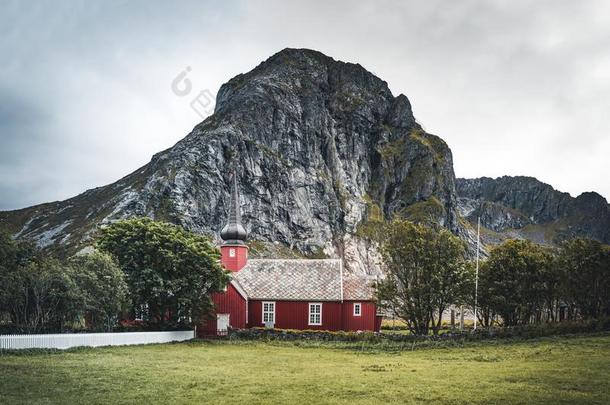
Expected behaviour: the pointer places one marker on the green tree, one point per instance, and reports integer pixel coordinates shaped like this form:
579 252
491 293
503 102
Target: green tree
7 250
104 286
169 270
426 271
39 292
485 301
14 252
41 295
549 287
515 281
585 277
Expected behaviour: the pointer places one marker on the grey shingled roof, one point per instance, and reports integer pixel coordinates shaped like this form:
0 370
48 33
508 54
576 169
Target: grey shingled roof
301 279
358 287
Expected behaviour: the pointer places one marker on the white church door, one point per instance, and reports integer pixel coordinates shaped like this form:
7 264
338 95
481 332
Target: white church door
222 323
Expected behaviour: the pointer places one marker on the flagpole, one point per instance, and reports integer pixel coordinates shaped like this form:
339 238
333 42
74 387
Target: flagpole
476 277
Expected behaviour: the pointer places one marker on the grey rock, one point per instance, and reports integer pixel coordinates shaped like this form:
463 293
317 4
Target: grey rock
527 208
319 146
316 144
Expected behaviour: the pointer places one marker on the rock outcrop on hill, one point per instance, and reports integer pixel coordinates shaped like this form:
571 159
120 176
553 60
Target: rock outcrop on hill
320 147
317 144
527 208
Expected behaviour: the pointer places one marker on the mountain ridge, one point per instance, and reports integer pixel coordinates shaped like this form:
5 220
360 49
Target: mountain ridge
316 143
320 147
523 206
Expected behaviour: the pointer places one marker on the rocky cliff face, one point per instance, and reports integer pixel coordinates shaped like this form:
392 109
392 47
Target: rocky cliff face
527 208
317 144
319 147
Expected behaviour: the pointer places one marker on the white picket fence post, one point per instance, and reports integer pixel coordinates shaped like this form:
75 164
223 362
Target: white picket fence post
68 340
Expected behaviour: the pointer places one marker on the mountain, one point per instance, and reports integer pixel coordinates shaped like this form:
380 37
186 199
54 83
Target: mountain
319 147
524 207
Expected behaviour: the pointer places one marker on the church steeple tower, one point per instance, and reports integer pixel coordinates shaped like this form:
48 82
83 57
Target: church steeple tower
234 252
234 232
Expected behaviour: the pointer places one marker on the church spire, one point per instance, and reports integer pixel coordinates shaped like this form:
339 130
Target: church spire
233 232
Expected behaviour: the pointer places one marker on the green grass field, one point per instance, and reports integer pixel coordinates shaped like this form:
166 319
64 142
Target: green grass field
558 370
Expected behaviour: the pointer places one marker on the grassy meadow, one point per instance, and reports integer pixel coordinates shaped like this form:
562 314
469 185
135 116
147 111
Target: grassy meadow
569 370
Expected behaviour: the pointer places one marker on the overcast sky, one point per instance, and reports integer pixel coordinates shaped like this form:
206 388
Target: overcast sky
517 88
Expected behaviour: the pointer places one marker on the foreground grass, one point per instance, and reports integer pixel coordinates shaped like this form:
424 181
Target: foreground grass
551 370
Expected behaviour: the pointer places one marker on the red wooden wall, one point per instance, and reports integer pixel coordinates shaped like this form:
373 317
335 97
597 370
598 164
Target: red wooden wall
228 302
335 316
236 262
366 320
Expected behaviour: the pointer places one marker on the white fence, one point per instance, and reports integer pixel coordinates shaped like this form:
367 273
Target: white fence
67 340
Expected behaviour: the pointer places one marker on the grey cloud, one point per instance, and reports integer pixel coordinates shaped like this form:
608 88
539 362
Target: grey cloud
514 87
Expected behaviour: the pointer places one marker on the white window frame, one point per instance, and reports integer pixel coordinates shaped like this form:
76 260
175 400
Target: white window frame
228 325
310 305
232 252
359 306
272 312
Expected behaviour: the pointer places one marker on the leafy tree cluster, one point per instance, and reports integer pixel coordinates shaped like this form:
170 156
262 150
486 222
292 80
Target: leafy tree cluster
517 282
41 293
139 266
170 272
522 282
426 272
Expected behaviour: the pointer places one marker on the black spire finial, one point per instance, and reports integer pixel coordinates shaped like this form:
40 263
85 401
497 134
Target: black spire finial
234 232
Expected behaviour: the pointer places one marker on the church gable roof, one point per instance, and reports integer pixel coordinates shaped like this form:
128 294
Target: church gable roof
302 280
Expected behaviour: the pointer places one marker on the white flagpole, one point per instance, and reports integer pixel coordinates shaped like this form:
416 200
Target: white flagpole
476 278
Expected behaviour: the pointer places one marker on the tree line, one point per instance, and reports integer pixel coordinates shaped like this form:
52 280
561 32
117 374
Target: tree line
154 271
165 275
520 282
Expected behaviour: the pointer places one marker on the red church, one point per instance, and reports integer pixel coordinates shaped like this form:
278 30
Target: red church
287 293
